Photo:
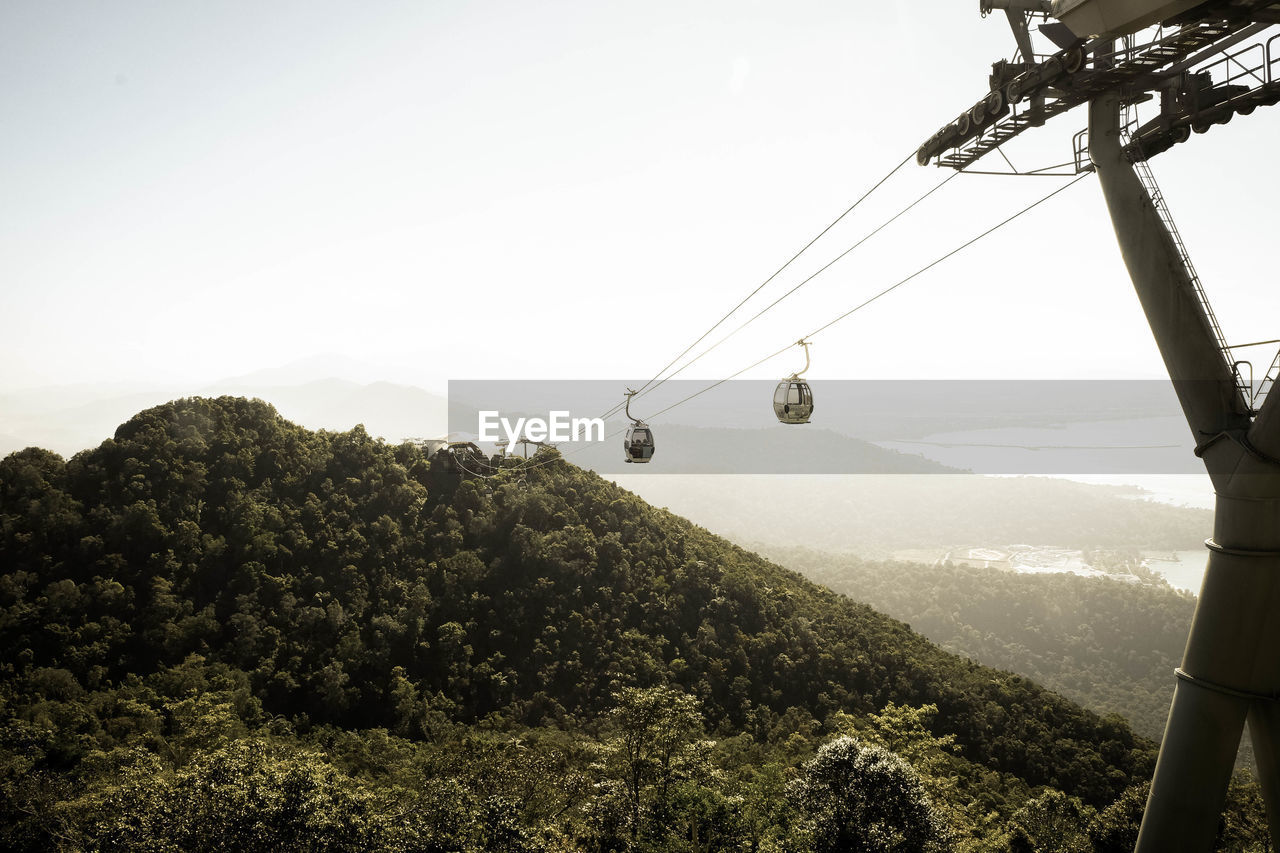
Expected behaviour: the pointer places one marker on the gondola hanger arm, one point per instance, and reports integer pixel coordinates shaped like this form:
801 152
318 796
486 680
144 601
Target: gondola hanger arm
802 343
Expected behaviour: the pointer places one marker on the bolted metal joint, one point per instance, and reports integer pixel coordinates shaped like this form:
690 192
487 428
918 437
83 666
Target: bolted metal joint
987 6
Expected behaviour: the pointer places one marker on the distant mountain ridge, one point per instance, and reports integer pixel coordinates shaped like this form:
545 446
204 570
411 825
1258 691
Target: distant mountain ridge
876 517
775 450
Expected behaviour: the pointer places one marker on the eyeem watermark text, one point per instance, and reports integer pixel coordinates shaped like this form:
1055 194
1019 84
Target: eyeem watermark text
558 427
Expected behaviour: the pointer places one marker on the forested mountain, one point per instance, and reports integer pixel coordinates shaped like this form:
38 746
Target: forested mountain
222 631
1108 645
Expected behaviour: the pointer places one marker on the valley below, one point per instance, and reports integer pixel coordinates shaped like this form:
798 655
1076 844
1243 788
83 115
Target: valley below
225 631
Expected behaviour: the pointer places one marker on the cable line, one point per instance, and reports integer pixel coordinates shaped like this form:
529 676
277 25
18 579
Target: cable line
776 273
838 257
887 290
954 251
840 317
722 381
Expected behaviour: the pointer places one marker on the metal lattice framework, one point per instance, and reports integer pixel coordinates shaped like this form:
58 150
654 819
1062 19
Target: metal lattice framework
1184 62
1199 70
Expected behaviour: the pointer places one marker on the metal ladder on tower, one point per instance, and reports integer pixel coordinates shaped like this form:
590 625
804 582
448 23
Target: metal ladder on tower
1251 396
1268 381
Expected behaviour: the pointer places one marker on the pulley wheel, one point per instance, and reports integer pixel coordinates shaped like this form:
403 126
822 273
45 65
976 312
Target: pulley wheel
1073 60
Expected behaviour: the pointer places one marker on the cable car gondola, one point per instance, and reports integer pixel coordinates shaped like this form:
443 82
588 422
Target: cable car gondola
793 398
637 444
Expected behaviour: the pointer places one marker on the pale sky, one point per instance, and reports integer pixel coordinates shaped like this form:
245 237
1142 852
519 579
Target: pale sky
556 190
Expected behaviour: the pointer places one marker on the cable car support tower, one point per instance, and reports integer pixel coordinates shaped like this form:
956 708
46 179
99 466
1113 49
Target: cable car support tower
1201 64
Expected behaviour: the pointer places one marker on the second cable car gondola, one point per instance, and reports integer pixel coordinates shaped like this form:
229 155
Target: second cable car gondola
637 444
793 398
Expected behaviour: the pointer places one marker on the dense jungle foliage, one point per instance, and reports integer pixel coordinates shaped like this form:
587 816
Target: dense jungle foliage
222 631
1109 645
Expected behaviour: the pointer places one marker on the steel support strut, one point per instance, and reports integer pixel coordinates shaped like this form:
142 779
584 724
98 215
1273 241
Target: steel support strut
1230 670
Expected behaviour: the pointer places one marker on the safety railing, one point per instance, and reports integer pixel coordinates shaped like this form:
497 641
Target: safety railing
1244 384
